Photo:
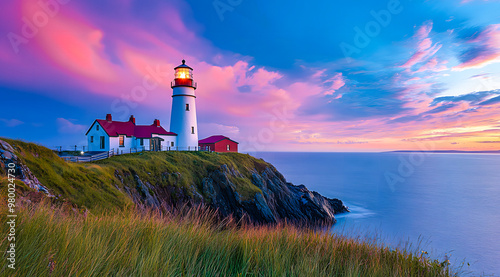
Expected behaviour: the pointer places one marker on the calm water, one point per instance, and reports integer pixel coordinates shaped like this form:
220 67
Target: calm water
448 202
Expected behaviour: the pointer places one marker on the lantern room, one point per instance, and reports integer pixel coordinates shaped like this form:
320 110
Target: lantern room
183 76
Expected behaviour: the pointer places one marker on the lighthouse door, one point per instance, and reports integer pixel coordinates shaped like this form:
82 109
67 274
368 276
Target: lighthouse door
159 144
156 144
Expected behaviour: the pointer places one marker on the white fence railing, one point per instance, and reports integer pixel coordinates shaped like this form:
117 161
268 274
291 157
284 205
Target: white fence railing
122 151
86 159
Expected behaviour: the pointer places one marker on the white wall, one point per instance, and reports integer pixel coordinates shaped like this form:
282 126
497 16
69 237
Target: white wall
137 143
167 141
181 120
114 143
145 146
95 146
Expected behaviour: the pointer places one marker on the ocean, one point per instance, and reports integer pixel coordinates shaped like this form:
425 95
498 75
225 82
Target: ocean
445 204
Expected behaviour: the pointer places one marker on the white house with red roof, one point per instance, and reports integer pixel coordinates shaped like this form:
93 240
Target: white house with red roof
126 136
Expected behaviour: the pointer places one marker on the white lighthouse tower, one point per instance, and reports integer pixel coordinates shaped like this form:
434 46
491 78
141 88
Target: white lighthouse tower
183 120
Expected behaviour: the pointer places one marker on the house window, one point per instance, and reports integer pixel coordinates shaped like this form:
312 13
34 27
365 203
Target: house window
141 142
227 146
172 144
97 127
102 142
122 141
187 107
91 139
192 130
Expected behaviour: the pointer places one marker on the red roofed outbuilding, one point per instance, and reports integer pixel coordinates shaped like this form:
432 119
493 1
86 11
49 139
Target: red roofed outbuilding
218 143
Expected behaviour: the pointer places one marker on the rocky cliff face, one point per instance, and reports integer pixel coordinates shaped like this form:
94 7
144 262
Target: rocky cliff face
21 171
278 200
271 199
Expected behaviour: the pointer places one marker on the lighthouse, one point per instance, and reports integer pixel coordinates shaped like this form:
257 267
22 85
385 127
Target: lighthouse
183 120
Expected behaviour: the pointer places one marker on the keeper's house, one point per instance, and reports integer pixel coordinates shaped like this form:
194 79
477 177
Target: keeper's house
106 135
218 144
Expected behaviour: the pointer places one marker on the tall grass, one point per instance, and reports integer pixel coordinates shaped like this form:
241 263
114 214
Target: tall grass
61 242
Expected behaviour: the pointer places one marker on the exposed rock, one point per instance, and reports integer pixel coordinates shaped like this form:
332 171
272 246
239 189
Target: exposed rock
258 209
197 197
6 147
221 193
278 201
144 189
21 172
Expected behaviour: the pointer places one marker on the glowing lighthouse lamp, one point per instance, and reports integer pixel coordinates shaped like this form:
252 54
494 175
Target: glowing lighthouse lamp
183 120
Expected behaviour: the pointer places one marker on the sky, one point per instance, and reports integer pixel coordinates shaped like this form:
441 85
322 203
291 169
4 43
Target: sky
273 75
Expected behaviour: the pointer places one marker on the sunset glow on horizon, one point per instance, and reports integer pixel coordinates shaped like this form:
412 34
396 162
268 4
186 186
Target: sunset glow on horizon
401 75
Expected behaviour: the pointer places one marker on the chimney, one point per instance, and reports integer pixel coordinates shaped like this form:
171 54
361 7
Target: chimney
132 119
157 123
108 117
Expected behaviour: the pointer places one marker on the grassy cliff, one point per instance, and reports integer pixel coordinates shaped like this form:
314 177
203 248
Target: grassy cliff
97 187
115 238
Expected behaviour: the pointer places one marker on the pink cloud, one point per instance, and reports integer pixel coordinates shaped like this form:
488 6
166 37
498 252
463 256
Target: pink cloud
71 42
207 129
424 31
337 81
421 55
220 86
425 49
489 41
433 65
77 45
334 83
